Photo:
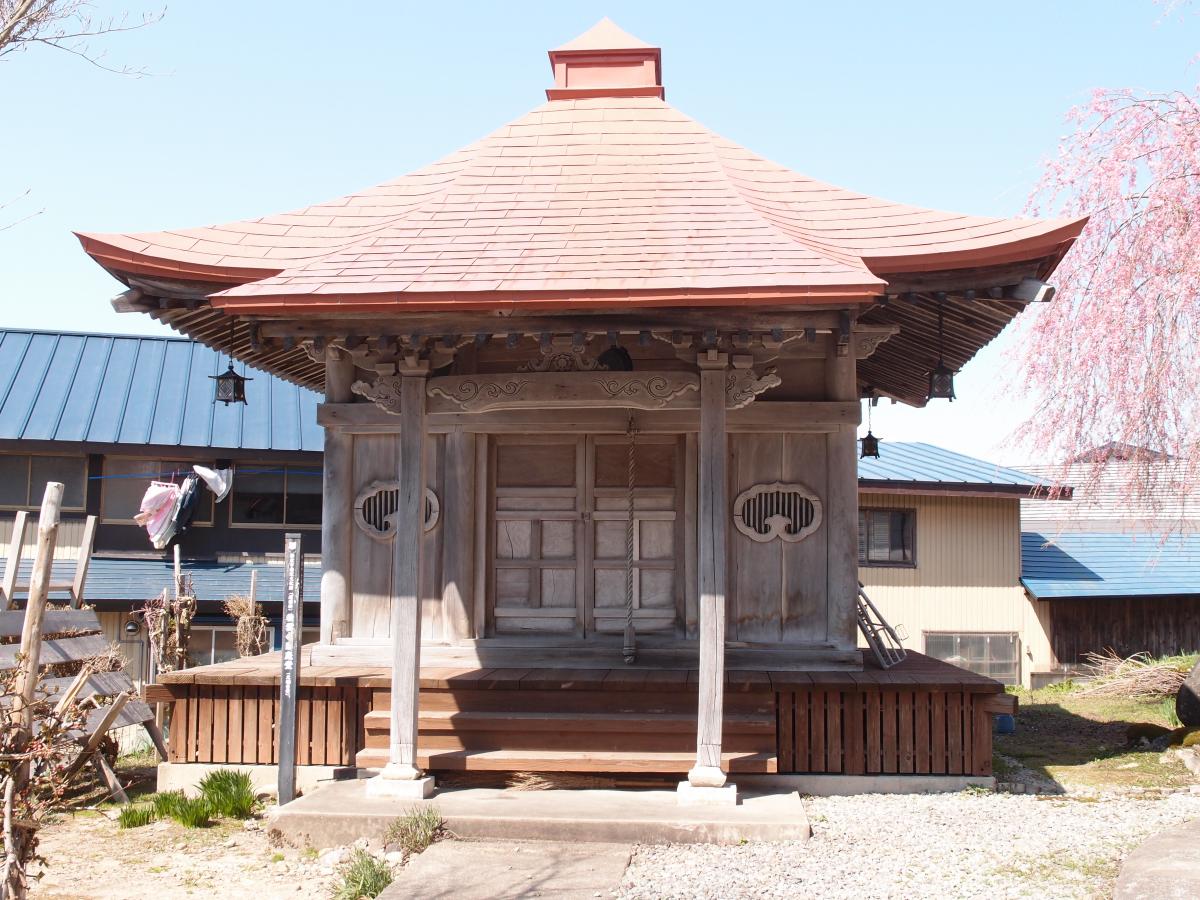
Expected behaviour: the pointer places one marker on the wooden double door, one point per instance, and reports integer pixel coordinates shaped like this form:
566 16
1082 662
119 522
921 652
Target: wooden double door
558 512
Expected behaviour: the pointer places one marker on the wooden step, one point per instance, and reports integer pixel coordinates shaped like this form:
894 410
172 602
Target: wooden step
599 741
432 721
570 761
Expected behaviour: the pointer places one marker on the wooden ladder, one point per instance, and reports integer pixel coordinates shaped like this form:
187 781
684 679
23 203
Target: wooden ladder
11 584
883 639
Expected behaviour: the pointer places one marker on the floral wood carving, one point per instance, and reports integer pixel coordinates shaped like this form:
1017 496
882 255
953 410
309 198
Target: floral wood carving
561 390
743 385
653 391
384 392
476 395
787 512
375 509
562 354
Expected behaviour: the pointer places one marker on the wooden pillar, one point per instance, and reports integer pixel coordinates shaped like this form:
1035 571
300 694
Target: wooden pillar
841 505
458 537
401 775
337 492
713 450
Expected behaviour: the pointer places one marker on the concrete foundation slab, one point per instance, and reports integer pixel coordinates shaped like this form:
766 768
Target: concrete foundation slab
477 870
186 776
400 788
343 811
688 794
850 785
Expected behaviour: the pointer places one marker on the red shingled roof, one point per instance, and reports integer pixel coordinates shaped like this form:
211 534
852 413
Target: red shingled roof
607 196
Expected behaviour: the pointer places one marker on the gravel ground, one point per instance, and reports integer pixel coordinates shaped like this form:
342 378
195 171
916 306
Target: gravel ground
961 845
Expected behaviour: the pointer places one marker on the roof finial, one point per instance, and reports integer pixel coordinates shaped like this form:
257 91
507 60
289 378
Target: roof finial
606 61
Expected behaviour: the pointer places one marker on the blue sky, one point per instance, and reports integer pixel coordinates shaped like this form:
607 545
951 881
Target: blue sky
260 107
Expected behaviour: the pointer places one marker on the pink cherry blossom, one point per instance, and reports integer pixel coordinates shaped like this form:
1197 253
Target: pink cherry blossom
1114 357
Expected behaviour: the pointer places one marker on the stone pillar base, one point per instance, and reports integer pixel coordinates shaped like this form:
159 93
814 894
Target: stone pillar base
687 794
405 789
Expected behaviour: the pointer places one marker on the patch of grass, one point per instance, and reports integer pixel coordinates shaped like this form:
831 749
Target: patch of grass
363 876
193 812
1166 710
1079 740
230 794
135 816
167 803
310 853
188 812
416 829
276 857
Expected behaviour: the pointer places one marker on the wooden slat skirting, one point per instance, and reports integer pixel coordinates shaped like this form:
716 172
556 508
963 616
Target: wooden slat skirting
913 731
236 724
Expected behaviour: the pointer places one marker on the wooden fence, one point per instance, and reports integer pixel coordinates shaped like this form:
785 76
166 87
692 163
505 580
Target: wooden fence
237 724
917 731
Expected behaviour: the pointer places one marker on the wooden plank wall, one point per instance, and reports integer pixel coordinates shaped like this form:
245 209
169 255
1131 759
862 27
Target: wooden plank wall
237 724
885 732
1160 626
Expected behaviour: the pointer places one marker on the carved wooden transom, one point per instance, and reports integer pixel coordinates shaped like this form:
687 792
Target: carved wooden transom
375 509
787 512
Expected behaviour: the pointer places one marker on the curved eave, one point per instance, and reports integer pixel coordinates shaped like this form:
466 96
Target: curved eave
1051 238
120 253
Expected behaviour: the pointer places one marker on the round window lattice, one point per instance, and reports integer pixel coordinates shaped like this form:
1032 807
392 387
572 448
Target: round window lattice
375 509
789 512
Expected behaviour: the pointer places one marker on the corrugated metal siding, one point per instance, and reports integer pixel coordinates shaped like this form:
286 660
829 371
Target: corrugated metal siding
914 462
122 579
116 389
967 576
1088 564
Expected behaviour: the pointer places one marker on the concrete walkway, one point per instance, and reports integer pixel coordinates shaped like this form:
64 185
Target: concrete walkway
1165 867
342 812
487 870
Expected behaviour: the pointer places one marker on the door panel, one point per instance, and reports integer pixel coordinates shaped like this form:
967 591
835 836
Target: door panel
559 551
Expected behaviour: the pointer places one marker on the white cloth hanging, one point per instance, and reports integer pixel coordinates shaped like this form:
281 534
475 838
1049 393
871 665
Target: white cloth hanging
219 481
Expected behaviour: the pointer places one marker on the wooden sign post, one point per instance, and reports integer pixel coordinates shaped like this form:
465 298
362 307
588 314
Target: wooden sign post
289 682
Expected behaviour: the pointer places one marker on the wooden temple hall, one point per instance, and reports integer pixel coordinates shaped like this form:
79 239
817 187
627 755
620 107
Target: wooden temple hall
592 387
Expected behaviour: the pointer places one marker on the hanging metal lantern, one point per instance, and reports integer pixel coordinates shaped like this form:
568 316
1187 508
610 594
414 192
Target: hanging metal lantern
941 379
231 387
941 382
870 443
870 446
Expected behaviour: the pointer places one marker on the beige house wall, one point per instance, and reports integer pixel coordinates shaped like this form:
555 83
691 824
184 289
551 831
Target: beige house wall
70 535
966 577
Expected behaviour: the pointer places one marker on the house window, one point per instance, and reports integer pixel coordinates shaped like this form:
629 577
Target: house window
996 655
125 482
23 480
266 494
886 537
216 643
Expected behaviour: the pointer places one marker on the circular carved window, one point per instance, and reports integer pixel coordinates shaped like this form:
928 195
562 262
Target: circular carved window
765 512
375 509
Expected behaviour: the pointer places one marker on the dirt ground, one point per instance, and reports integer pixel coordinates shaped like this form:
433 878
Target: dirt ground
90 857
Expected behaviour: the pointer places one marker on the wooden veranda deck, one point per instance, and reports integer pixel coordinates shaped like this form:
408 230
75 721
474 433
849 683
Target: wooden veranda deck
923 716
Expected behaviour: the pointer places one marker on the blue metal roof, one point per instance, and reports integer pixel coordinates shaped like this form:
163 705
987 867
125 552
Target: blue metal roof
121 389
925 464
127 579
1095 564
